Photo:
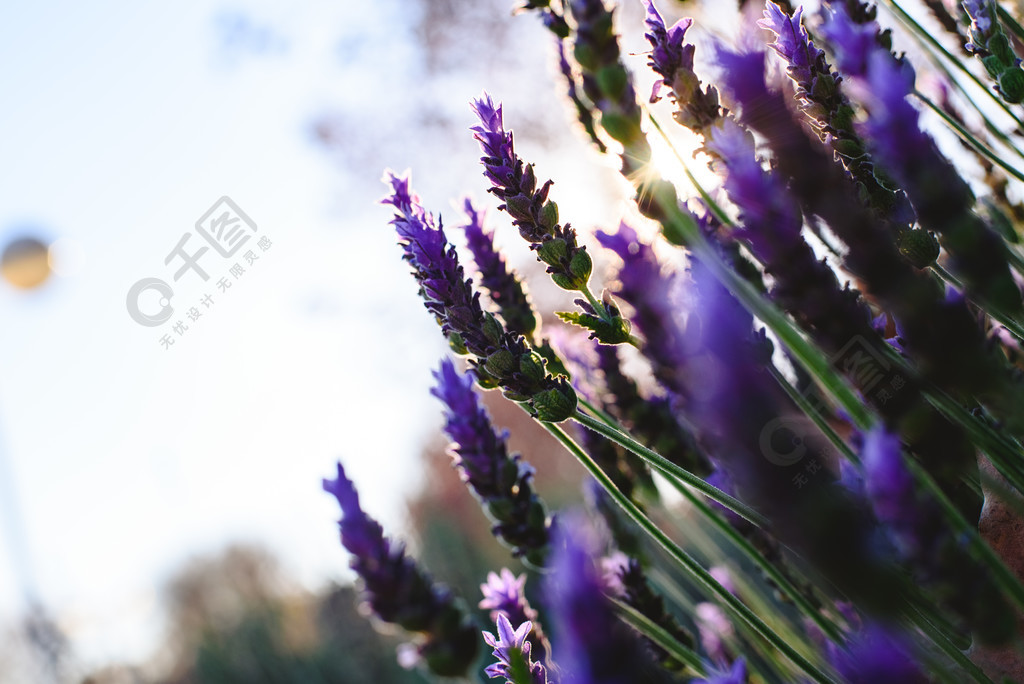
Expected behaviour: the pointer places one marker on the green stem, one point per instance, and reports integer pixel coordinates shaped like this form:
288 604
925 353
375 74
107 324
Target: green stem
928 38
691 566
671 469
969 139
947 647
782 582
1010 22
997 314
659 635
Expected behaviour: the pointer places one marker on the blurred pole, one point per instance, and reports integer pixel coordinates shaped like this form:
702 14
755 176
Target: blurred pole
25 264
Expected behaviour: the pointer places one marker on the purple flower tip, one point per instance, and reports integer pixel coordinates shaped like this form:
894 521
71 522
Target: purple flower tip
401 197
853 43
743 75
877 656
512 644
889 483
737 674
502 590
668 54
791 37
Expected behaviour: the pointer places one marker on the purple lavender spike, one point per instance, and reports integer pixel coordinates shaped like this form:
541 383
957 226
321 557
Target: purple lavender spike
877 656
399 592
672 59
515 184
942 199
591 644
501 481
504 287
503 358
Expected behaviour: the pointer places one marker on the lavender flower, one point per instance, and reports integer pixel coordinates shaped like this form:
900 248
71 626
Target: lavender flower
737 674
500 481
502 358
671 59
596 48
626 580
592 645
919 530
505 594
822 100
952 358
983 20
877 656
651 295
504 287
515 184
769 218
397 591
583 111
513 650
609 85
942 199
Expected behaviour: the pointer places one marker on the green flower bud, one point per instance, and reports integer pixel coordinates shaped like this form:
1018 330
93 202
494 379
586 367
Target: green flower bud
993 65
485 379
565 282
519 207
581 266
824 86
1011 85
850 149
999 45
551 252
532 366
919 247
585 56
457 344
556 404
500 508
500 363
842 118
620 126
549 215
492 329
515 396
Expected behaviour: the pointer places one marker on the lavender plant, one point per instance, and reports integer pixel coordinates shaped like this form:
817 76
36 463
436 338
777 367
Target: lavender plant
830 386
